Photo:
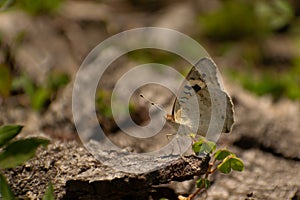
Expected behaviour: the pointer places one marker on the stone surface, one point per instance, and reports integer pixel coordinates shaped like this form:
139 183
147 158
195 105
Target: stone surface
265 176
77 174
261 123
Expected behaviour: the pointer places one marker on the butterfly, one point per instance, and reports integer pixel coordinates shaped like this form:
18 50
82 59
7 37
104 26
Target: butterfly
202 106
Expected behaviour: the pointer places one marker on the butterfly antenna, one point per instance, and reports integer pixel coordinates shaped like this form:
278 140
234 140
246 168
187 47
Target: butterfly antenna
153 104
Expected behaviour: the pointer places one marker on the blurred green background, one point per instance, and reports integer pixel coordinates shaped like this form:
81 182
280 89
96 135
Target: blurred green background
257 41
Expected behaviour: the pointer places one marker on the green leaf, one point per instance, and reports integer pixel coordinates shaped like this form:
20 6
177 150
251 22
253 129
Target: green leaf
207 183
203 146
231 162
225 166
49 194
8 132
237 164
203 183
222 154
197 146
20 151
208 147
5 191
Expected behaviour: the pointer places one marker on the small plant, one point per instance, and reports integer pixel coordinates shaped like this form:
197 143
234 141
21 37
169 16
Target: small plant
14 152
223 161
33 7
40 95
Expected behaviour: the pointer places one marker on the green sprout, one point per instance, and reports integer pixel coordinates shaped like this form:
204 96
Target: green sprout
223 161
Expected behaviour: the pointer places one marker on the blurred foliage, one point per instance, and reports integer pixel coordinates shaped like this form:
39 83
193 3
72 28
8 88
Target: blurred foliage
233 20
278 84
246 25
16 152
5 80
5 191
34 7
153 56
161 57
56 80
19 151
8 132
49 194
277 13
40 95
237 19
232 23
103 103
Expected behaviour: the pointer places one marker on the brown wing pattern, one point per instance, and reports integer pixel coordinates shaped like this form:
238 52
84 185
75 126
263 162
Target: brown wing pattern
207 89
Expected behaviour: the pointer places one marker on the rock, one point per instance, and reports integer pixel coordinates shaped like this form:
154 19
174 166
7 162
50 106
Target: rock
261 123
75 173
264 177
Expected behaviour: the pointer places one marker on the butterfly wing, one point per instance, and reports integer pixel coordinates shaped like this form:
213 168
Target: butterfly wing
202 103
